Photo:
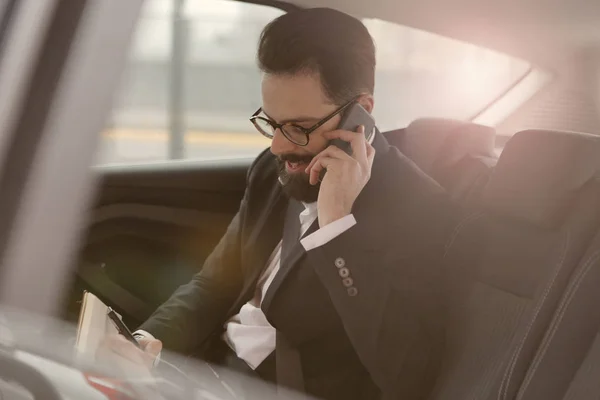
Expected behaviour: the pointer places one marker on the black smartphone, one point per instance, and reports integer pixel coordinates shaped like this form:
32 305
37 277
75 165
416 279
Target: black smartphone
354 116
121 327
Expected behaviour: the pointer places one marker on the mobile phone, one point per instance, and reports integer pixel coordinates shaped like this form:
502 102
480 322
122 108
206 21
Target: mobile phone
121 327
355 116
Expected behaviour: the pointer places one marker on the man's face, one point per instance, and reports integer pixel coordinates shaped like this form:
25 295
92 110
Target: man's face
299 99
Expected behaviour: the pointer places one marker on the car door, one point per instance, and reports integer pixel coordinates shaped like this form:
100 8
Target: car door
151 228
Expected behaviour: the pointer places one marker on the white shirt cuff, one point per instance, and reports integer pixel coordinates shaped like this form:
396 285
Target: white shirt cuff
327 233
145 334
148 335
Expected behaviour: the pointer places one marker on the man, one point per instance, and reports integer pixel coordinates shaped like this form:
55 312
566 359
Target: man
328 278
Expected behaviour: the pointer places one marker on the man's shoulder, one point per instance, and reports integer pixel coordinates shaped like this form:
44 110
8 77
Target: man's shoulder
407 197
400 176
402 188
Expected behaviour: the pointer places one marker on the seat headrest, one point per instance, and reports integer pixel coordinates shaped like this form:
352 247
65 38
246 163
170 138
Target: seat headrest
438 143
540 172
396 137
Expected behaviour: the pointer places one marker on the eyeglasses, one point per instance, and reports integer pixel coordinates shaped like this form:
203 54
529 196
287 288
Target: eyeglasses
293 132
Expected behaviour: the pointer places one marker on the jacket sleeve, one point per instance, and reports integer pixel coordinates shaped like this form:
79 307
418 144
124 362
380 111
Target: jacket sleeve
383 276
193 312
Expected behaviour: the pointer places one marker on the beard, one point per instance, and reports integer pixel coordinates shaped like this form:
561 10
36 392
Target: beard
296 185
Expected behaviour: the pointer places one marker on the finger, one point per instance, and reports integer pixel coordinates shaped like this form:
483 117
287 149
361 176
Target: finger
356 139
113 341
359 146
148 351
112 348
347 136
314 170
323 163
122 347
153 348
331 151
117 352
370 155
145 341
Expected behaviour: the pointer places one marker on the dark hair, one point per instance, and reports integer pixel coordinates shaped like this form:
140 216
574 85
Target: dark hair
321 40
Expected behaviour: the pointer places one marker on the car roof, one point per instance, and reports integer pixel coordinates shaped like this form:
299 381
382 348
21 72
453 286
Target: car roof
541 31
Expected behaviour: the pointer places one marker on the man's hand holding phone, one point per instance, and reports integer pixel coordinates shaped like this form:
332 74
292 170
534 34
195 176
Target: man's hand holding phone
346 174
117 350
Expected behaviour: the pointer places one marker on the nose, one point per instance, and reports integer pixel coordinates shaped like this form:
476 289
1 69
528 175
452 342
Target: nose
281 145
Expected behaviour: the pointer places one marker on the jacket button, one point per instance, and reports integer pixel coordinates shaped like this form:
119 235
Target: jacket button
340 262
344 272
348 282
352 291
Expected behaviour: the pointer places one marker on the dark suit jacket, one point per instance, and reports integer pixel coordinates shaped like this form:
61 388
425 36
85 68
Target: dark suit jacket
380 337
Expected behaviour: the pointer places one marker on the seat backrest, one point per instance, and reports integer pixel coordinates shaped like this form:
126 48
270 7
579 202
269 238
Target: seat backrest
458 155
567 363
509 261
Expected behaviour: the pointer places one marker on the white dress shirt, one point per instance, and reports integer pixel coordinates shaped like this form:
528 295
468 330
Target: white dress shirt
248 333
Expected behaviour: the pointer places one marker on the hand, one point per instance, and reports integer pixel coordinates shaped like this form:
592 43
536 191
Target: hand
346 174
117 349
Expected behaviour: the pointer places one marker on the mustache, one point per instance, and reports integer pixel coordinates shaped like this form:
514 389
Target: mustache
295 158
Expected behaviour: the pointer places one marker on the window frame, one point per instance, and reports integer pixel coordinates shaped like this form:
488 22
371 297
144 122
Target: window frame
49 118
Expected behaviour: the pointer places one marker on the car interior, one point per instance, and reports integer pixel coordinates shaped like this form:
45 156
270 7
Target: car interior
523 264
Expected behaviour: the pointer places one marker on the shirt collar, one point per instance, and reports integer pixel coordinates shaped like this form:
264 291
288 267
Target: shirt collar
309 213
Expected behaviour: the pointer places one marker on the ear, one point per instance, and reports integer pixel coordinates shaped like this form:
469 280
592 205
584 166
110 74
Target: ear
368 102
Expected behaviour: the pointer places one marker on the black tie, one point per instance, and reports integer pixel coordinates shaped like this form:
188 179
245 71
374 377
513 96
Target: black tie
291 228
288 364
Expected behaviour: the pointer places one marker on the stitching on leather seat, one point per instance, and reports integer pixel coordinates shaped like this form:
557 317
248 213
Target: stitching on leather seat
467 219
570 294
503 395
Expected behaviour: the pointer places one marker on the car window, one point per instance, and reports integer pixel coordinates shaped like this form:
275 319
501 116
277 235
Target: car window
192 81
421 74
191 84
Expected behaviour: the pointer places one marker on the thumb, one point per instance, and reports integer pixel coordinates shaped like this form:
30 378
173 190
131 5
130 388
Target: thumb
151 347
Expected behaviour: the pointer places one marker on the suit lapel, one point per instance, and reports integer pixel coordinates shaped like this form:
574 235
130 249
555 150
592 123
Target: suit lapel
262 241
291 227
